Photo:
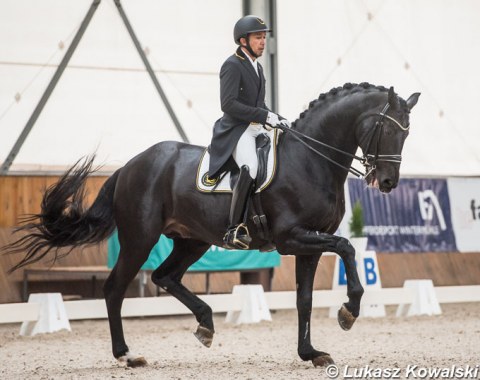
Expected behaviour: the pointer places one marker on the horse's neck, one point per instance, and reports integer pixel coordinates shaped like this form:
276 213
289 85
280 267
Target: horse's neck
330 125
333 122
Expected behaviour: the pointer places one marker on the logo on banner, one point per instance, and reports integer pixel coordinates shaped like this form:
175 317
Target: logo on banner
369 270
428 203
369 275
429 208
416 217
475 210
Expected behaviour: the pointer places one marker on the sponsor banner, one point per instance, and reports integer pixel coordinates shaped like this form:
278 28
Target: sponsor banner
216 258
465 206
414 217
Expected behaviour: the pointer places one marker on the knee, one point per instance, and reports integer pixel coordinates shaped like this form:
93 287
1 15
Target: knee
345 248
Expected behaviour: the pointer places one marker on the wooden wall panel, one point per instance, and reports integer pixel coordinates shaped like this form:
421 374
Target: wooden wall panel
22 195
11 285
445 268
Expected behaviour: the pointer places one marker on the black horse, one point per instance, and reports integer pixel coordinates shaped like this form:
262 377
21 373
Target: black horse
155 193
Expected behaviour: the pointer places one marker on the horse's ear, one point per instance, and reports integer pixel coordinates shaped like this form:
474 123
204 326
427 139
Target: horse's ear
393 99
412 100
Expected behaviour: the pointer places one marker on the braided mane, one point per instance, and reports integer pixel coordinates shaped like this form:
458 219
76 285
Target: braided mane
334 93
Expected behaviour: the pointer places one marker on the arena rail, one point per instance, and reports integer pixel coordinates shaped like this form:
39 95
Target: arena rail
456 294
220 303
19 312
150 306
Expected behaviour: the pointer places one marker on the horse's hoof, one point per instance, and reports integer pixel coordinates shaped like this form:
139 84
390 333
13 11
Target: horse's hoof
322 361
132 360
204 335
345 318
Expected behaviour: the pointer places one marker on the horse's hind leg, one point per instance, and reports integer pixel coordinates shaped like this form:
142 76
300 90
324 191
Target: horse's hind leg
132 256
169 275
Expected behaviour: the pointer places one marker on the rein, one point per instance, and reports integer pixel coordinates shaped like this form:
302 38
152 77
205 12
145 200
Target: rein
350 169
367 160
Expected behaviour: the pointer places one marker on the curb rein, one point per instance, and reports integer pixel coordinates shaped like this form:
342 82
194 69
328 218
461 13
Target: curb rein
367 160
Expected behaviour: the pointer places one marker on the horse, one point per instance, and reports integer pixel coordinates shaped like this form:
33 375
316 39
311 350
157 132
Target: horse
155 193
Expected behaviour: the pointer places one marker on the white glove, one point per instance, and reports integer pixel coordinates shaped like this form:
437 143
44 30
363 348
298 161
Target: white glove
272 121
285 123
275 121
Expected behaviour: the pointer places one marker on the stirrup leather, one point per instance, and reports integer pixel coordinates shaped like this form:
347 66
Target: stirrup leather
238 237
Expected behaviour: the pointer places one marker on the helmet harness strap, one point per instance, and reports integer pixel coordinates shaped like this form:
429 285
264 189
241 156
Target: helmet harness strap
248 47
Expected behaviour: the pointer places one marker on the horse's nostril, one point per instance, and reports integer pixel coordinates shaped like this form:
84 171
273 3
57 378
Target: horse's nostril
388 183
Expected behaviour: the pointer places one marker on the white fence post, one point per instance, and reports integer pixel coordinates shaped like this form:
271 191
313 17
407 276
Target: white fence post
424 301
254 305
52 316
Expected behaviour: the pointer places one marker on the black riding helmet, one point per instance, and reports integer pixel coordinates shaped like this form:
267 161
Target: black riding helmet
245 26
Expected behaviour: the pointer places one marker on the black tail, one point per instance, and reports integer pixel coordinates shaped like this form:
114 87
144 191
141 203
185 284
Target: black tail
63 221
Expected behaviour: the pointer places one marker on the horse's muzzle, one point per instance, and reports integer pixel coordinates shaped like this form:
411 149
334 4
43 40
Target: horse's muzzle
386 185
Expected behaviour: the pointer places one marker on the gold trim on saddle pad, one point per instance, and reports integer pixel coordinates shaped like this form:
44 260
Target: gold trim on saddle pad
206 180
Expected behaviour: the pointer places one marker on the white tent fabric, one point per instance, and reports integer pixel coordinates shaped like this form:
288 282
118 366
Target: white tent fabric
106 102
416 46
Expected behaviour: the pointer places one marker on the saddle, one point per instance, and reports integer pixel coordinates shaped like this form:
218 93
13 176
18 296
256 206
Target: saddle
267 163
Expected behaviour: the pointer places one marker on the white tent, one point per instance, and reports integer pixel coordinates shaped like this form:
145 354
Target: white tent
427 46
106 102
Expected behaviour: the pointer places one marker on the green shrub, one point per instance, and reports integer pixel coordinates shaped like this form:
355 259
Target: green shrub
356 222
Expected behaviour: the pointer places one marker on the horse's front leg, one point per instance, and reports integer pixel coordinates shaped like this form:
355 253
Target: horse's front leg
349 312
305 268
305 242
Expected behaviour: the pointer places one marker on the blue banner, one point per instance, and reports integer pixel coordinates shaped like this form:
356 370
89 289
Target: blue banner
414 217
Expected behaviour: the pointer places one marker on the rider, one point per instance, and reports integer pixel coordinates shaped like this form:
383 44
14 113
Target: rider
242 94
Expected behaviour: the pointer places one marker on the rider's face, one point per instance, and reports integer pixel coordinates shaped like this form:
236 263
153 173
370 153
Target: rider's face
257 42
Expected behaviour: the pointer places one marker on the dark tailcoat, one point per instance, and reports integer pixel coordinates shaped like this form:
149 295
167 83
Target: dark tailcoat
242 95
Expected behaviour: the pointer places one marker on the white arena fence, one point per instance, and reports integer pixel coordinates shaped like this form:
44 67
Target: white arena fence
221 303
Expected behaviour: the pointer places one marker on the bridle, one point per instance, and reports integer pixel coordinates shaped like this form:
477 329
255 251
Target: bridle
368 160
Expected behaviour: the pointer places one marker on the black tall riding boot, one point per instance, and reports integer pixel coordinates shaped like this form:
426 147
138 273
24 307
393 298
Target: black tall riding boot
237 235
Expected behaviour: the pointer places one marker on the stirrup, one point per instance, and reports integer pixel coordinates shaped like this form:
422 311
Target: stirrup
238 237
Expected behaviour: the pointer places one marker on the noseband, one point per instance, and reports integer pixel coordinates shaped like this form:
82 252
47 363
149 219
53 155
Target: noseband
369 161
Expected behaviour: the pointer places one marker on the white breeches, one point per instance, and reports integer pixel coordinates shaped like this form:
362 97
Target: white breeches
245 152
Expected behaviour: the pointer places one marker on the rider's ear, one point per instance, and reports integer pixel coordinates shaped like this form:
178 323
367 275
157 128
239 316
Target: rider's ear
393 99
412 100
